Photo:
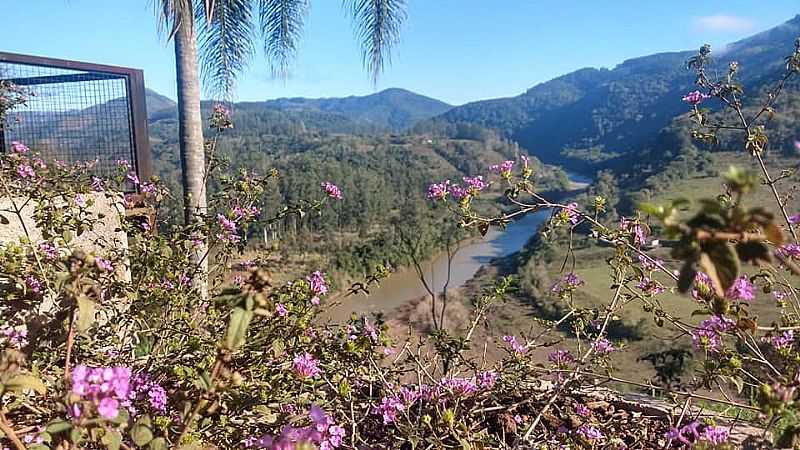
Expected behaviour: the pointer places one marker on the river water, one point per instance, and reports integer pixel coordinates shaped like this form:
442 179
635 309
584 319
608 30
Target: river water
404 285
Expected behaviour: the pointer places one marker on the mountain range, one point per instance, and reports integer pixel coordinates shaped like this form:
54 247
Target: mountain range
605 113
390 110
618 110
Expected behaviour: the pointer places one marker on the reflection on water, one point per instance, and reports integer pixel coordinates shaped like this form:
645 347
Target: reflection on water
404 286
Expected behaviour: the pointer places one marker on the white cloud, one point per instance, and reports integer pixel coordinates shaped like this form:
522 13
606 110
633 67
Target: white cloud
723 22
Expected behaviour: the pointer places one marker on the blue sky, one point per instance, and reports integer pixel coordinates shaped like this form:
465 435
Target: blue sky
454 50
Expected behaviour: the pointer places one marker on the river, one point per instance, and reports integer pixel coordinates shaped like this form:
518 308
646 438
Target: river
404 285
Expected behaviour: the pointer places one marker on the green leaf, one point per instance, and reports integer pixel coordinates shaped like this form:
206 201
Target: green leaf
237 328
158 444
141 435
58 426
19 383
112 440
85 313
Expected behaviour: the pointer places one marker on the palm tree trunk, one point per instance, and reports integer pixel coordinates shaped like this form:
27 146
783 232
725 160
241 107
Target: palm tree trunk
190 128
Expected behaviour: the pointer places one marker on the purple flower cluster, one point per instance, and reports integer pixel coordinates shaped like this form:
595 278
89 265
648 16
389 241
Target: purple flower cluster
103 387
603 346
49 251
689 435
560 357
637 231
589 432
518 348
439 191
570 214
566 284
16 337
146 391
317 285
103 264
742 289
331 190
789 251
503 169
782 341
703 287
324 434
306 366
695 98
228 230
19 147
708 335
650 264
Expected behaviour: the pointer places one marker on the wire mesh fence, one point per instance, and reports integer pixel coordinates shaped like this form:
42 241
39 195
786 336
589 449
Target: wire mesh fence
78 112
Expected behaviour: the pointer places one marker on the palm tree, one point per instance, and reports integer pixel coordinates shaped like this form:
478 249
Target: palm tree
220 37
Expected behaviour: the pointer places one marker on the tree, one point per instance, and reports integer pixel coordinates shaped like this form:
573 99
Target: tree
219 36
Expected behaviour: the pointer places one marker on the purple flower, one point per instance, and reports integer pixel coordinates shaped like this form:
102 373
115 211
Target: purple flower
306 366
104 264
603 346
25 171
389 408
19 147
570 214
695 98
589 432
98 185
104 387
742 289
783 340
560 357
650 264
228 230
331 190
566 284
33 284
636 229
317 285
17 337
80 200
714 435
789 251
49 250
439 191
518 348
487 380
503 169
458 192
475 184
703 287
148 188
281 310
582 410
123 163
133 178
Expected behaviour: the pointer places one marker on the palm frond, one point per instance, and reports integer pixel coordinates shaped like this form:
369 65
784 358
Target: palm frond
170 14
282 24
377 27
226 44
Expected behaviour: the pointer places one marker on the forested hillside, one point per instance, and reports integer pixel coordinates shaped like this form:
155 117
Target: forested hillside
596 115
384 178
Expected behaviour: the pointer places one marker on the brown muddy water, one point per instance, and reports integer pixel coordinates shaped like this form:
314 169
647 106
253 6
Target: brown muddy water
404 286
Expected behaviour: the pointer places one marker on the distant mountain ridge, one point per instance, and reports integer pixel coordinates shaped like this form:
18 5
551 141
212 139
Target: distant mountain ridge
617 110
394 108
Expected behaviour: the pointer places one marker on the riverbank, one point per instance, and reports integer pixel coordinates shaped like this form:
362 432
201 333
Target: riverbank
403 288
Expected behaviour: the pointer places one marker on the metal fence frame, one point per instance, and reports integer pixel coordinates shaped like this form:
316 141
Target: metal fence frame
137 107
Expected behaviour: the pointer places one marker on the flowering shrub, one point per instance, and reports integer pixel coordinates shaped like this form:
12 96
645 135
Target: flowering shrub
105 345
